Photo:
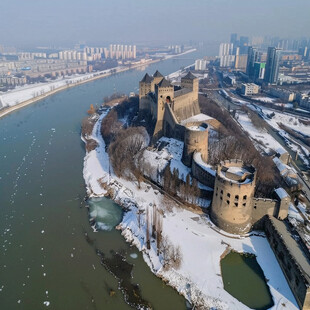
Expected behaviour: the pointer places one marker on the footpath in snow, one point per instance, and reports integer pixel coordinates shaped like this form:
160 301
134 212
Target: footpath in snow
201 244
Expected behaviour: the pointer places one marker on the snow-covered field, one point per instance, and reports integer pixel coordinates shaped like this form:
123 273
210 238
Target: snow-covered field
30 91
289 120
201 244
264 99
265 140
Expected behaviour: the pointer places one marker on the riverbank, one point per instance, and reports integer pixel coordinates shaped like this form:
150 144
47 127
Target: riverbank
69 83
198 278
42 92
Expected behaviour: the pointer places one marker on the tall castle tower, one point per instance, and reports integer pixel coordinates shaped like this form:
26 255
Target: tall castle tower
164 93
192 82
145 87
157 77
195 140
234 186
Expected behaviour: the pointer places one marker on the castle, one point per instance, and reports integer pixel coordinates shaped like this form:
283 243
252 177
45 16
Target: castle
176 113
234 209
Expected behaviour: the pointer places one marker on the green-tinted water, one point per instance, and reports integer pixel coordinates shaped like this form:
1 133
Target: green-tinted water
244 279
48 249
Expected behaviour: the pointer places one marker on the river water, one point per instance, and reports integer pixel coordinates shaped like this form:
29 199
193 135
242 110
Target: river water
48 257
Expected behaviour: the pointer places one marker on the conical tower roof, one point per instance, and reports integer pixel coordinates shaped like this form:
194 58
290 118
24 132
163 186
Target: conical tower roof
164 83
157 74
189 76
147 79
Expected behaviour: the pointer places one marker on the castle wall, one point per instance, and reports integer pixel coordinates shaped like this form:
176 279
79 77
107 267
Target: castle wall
286 251
283 208
191 84
161 93
202 175
185 106
231 208
144 102
261 207
172 129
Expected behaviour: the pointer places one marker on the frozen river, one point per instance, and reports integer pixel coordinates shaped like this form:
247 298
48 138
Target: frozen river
48 250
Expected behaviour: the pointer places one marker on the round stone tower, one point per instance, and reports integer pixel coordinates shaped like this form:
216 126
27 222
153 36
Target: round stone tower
231 208
195 139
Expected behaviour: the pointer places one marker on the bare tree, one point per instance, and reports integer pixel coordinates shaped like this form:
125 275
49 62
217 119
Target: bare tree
148 241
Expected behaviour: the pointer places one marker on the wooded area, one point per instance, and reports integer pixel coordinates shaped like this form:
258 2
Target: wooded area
234 143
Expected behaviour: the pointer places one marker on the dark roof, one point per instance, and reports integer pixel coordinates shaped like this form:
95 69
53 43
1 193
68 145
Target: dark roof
182 92
157 74
164 83
189 76
147 79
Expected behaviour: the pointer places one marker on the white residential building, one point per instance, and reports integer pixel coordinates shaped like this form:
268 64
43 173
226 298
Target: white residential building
200 64
249 89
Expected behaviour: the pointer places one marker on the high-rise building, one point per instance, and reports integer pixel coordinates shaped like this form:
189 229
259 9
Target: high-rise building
252 58
259 71
303 52
233 38
272 65
226 55
200 64
244 42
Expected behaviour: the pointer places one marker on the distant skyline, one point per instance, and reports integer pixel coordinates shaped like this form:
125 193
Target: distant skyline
66 22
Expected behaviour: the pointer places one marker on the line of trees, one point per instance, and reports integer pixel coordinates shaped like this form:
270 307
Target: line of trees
170 254
111 125
125 151
173 184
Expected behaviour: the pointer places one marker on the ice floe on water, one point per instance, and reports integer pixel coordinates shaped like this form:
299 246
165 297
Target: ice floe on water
133 255
105 213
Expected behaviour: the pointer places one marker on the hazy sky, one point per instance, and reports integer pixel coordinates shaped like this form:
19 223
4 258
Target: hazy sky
65 22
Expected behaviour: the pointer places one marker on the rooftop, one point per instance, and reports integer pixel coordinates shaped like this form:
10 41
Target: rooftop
236 173
181 92
147 79
196 118
281 192
189 76
164 83
157 74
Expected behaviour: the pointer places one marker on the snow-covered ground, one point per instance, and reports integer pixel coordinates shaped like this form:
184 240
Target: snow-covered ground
201 244
30 91
288 120
176 76
265 140
264 99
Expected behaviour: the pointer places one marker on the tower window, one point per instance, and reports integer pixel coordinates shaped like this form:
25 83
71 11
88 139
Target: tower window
236 204
244 197
228 194
237 197
227 201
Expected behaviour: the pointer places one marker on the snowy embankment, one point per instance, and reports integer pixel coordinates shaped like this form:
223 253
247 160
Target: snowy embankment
293 122
201 245
181 54
27 92
288 120
262 139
